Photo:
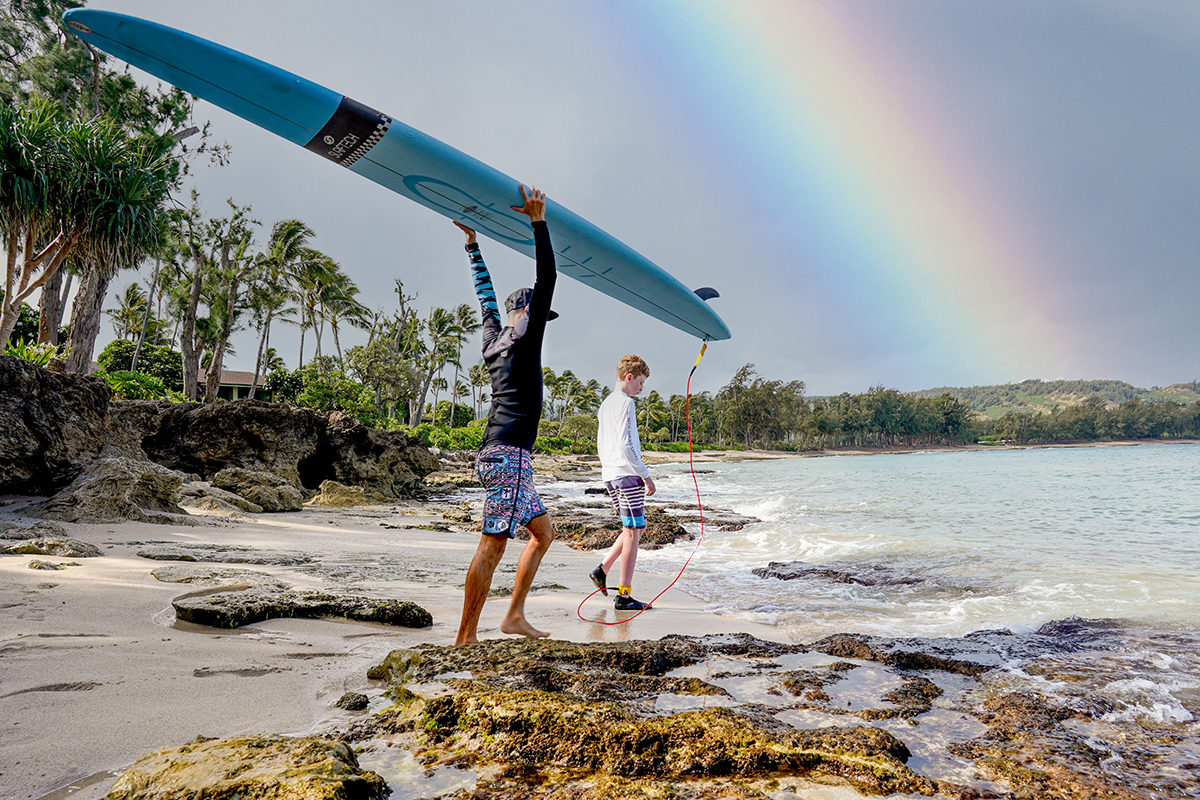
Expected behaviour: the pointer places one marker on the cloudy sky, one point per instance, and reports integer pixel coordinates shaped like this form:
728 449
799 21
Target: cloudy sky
918 193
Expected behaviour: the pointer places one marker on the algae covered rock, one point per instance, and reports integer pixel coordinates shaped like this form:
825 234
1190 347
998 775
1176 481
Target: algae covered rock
51 565
549 729
232 609
250 768
959 656
587 531
197 575
222 554
352 701
339 495
552 713
270 492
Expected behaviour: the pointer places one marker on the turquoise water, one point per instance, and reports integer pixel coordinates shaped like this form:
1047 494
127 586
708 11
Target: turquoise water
967 541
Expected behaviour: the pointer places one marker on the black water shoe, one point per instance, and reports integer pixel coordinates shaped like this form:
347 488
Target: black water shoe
600 578
624 602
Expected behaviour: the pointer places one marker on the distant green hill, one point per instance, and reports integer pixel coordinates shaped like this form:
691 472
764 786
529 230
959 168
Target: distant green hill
1043 396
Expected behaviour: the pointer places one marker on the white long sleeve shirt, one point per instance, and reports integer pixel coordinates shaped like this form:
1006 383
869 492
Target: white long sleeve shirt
617 441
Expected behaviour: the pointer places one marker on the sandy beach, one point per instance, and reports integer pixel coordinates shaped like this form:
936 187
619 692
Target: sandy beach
95 670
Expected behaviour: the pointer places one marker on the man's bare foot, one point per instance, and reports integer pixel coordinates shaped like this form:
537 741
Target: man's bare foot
520 626
465 640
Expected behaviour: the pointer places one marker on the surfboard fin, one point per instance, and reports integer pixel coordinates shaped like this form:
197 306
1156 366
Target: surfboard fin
707 293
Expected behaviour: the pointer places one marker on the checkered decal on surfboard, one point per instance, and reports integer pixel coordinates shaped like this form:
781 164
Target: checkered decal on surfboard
350 133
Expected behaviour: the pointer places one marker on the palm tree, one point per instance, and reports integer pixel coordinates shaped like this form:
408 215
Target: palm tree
466 323
595 395
127 317
272 361
577 399
478 377
550 382
442 327
311 274
569 391
338 304
652 414
271 292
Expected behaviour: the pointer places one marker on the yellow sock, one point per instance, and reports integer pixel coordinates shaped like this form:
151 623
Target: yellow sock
624 589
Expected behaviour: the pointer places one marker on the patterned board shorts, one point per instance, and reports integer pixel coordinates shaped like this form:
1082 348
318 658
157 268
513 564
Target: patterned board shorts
506 472
628 494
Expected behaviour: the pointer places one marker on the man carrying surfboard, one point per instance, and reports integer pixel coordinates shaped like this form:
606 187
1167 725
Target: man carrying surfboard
513 354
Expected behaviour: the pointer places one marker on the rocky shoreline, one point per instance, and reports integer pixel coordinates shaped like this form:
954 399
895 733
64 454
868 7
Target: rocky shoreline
732 715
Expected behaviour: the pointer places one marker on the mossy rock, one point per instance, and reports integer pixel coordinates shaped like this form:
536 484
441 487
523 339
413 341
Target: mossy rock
250 768
235 608
549 712
550 731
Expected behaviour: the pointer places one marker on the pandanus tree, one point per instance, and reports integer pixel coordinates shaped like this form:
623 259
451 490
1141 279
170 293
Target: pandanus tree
41 61
83 190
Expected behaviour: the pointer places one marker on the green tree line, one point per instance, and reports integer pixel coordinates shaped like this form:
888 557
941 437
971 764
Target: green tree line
1043 395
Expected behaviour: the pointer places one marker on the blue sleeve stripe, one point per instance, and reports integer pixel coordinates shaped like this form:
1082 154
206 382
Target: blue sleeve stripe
483 286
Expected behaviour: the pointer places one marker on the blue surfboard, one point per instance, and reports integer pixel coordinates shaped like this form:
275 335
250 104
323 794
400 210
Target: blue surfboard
394 155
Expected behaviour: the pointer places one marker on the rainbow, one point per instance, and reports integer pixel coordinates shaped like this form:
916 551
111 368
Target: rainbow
823 120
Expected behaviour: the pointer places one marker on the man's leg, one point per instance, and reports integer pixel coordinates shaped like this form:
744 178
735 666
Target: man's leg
541 534
479 581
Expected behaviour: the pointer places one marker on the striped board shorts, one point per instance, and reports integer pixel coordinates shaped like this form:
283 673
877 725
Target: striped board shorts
506 472
628 494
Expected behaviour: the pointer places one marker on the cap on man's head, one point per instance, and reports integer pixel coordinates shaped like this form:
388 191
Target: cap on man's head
520 299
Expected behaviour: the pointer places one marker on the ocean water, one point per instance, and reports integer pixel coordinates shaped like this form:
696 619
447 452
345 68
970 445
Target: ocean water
958 542
945 544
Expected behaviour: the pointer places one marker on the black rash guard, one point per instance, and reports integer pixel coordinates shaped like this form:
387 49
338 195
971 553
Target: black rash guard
515 364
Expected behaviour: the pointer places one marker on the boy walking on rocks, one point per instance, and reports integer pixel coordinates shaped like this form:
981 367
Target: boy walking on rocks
625 476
